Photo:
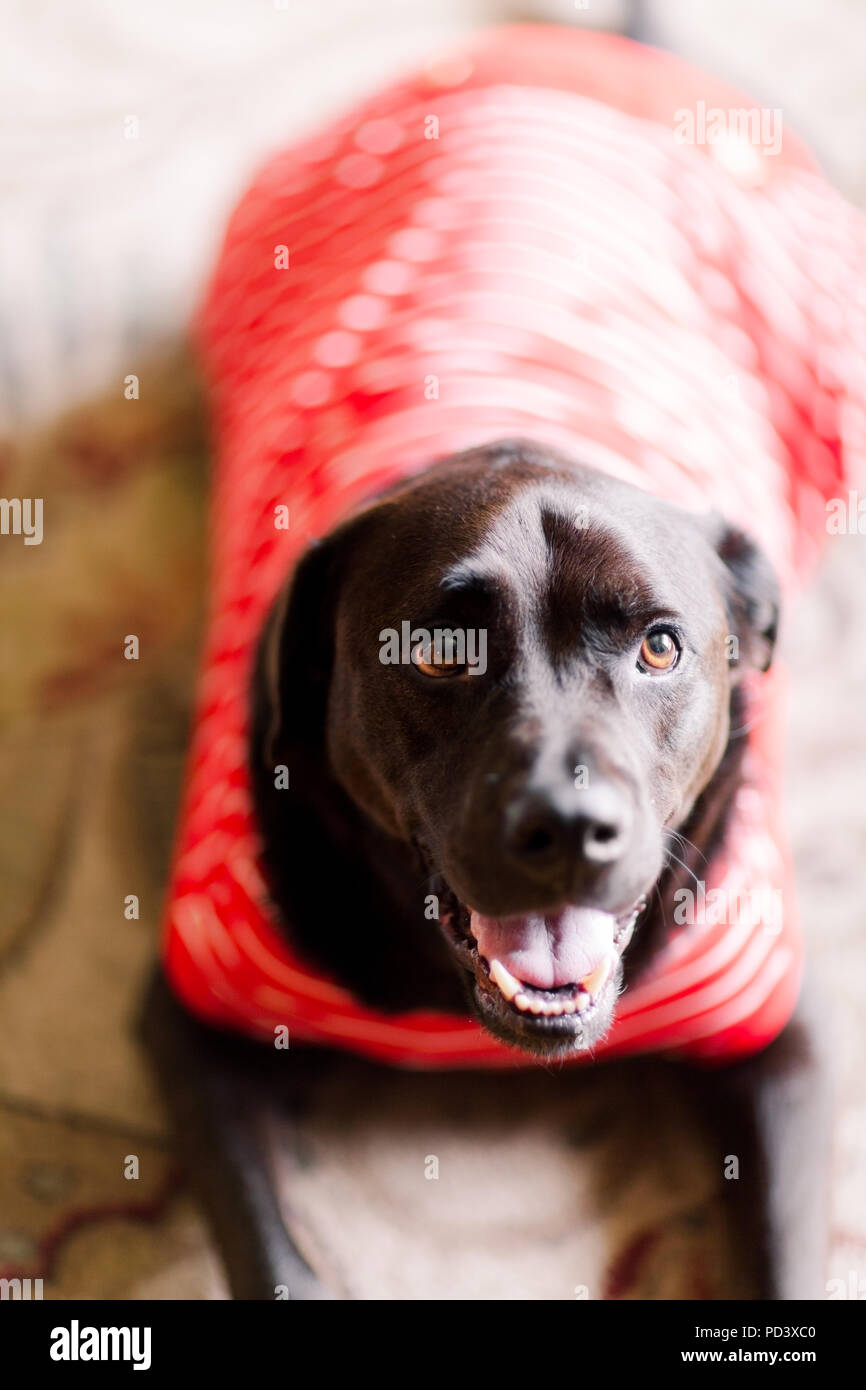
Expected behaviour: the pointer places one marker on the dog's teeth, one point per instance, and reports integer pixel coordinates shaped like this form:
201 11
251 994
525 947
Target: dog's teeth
504 980
594 983
515 992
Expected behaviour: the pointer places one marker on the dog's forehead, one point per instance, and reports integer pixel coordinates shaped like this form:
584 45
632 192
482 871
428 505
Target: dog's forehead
570 537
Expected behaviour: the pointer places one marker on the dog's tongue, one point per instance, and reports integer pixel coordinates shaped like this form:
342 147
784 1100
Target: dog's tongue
547 952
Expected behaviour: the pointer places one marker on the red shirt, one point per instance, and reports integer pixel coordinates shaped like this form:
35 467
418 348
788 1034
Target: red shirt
516 243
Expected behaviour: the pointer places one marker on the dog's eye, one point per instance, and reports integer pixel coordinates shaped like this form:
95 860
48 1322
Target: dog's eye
439 657
659 651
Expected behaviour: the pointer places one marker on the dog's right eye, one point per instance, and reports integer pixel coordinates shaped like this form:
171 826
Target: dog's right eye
660 651
439 657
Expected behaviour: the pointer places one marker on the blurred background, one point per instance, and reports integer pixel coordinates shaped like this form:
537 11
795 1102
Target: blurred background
128 130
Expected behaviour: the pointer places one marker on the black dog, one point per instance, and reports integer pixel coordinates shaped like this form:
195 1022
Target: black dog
607 615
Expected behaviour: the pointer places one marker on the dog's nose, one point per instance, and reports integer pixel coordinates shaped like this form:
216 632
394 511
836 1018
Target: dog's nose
555 828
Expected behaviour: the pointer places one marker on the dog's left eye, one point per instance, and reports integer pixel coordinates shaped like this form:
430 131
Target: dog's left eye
439 657
659 651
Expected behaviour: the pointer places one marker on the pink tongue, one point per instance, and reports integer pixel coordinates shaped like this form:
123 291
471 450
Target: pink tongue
547 951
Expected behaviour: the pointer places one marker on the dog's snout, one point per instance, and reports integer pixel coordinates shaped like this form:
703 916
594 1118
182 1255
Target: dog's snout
604 838
557 828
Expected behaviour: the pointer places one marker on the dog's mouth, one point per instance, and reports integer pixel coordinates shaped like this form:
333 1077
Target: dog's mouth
546 982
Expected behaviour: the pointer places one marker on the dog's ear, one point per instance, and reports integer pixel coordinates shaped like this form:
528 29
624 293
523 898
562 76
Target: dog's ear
752 597
295 654
296 649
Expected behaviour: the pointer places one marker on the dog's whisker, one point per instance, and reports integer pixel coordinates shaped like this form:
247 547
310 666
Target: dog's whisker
657 892
686 844
683 865
747 728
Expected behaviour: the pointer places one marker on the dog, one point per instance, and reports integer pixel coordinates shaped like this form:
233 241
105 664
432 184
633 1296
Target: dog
543 790
516 695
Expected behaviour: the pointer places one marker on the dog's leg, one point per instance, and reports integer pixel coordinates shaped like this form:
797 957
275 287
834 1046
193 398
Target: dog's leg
216 1099
772 1113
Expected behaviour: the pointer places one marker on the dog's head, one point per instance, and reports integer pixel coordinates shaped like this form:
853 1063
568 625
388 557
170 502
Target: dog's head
524 668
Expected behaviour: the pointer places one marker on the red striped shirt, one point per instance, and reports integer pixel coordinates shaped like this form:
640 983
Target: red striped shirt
514 243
